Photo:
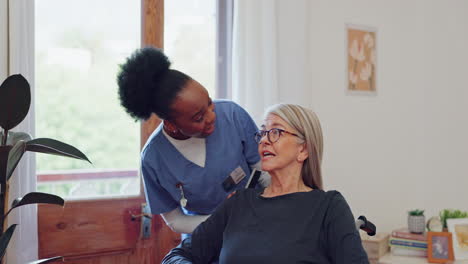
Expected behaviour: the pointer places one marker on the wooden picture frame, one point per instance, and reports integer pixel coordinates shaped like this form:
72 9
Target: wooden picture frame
439 247
361 60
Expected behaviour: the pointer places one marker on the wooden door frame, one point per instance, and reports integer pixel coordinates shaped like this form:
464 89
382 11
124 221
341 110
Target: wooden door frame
102 230
152 26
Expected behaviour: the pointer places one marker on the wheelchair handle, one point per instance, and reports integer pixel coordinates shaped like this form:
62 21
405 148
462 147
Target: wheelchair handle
366 225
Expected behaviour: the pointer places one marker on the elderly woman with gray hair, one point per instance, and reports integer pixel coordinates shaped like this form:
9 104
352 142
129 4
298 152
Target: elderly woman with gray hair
293 220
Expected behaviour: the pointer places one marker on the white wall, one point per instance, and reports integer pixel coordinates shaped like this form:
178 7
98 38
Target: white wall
406 147
446 103
292 60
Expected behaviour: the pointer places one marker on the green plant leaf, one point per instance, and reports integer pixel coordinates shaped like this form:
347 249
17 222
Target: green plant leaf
451 213
14 137
14 157
5 240
15 100
55 147
36 198
49 260
416 212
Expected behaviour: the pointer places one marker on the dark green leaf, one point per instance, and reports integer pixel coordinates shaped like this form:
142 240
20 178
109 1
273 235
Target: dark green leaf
52 146
14 137
49 260
36 198
5 240
15 99
14 157
451 213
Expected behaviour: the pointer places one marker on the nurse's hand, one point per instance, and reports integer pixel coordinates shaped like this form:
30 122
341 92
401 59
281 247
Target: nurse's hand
231 194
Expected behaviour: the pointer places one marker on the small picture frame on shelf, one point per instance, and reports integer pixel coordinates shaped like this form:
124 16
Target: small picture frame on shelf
439 247
459 229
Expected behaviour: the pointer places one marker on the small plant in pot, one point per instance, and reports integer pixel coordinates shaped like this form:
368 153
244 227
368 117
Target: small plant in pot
416 221
451 213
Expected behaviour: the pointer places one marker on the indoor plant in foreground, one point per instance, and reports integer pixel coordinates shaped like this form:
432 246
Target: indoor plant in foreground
15 100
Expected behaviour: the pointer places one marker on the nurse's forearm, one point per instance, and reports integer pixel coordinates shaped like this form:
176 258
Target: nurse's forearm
182 223
265 178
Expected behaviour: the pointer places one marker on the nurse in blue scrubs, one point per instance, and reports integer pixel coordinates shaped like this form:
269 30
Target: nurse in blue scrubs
202 151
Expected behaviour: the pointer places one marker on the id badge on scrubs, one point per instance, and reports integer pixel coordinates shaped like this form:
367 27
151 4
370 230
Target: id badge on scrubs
233 179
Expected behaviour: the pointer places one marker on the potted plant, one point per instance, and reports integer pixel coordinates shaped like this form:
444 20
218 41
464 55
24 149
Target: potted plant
15 100
451 213
416 221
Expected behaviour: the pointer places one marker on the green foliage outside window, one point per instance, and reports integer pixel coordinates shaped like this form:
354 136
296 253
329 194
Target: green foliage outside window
91 116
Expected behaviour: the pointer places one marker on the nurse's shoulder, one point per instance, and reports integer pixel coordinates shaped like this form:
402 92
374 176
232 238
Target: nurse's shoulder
154 144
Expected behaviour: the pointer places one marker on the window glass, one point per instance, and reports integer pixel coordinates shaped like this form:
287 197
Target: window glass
190 39
78 47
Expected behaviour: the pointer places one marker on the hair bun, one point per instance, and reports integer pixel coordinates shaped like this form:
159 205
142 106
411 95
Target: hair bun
153 59
138 78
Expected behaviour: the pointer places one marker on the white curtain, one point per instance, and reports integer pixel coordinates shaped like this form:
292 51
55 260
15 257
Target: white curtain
254 56
3 40
24 245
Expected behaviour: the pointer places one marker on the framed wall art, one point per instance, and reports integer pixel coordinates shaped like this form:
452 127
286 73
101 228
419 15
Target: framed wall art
361 62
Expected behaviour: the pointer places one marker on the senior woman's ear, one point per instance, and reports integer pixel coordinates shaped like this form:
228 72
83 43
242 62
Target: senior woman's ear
303 153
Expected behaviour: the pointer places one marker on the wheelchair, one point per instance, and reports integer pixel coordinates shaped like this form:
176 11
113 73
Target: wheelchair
363 224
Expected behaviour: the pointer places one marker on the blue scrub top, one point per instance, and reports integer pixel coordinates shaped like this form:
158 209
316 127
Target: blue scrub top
231 145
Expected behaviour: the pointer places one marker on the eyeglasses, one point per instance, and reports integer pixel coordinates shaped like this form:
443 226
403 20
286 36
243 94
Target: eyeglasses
273 134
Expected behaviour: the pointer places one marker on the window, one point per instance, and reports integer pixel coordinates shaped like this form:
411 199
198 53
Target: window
79 45
190 39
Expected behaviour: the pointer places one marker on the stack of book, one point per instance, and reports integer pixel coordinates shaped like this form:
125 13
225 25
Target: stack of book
404 243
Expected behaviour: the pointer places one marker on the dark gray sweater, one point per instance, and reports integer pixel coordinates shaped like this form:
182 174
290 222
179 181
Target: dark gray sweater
305 227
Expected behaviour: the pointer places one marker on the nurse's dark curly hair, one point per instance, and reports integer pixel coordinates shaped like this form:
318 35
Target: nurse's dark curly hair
147 85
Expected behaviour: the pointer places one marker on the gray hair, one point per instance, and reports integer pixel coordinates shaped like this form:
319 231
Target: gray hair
307 124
